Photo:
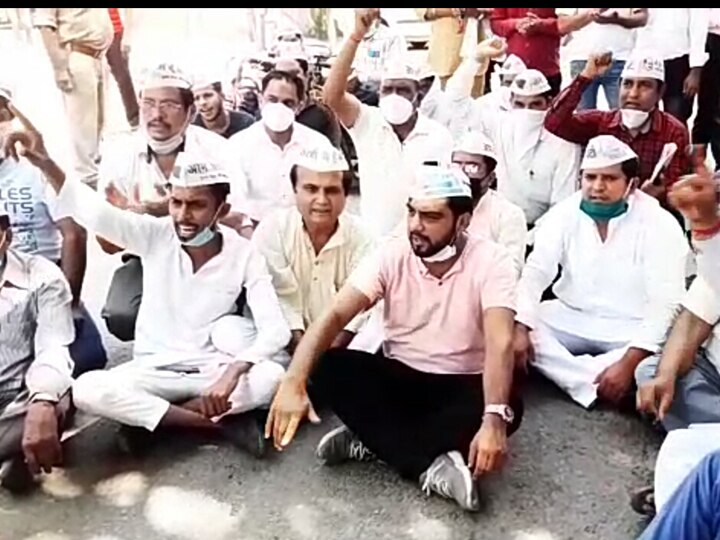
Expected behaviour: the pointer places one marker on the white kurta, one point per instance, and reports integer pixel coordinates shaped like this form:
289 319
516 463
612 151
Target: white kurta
612 294
503 222
535 169
708 261
306 282
387 166
180 310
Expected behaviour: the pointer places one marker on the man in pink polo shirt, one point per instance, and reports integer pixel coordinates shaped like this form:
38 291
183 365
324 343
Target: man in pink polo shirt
436 403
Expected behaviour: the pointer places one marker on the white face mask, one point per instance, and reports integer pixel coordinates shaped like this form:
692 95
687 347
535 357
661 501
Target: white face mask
169 145
396 109
445 254
529 118
633 119
277 117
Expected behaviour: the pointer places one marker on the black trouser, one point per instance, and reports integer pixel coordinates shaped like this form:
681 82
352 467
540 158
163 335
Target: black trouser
706 129
674 100
406 417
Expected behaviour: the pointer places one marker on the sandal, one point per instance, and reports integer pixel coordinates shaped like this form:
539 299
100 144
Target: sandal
643 501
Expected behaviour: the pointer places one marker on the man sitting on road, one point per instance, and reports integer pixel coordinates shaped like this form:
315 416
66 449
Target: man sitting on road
494 216
312 248
447 357
195 364
623 275
36 329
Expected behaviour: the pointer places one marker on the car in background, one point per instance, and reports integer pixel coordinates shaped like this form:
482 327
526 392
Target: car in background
407 23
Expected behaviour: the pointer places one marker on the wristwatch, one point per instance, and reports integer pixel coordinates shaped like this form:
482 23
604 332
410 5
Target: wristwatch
503 411
43 396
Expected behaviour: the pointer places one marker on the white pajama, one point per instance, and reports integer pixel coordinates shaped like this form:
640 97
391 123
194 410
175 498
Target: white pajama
139 394
573 360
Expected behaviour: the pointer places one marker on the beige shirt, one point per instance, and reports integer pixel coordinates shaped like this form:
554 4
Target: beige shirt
446 39
306 282
83 26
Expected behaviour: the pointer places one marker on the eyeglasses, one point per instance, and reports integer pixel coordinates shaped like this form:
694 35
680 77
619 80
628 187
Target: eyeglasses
148 105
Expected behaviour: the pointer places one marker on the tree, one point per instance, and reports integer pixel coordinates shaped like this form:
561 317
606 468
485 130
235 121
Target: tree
318 23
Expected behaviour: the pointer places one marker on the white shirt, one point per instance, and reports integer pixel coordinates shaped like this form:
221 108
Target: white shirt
627 287
387 166
28 201
36 328
675 32
502 222
306 282
535 168
708 260
179 306
266 166
595 38
126 165
704 302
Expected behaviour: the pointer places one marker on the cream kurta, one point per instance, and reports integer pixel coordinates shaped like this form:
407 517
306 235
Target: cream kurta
306 282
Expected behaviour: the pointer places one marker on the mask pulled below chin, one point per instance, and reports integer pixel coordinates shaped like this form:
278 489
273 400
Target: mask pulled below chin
603 211
632 118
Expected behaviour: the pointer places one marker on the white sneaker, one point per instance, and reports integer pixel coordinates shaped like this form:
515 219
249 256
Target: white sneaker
449 477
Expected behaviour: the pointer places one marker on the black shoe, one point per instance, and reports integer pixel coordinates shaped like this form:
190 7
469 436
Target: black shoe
341 445
245 432
15 476
643 501
135 441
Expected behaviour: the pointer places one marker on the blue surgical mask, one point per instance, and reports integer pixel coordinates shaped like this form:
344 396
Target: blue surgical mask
204 237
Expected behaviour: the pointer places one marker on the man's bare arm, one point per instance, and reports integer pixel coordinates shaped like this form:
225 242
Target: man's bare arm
73 257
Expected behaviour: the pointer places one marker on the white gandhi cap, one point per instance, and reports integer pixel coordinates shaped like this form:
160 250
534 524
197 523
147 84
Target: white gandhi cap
192 171
513 65
400 70
476 142
165 75
604 151
529 83
439 182
322 157
644 65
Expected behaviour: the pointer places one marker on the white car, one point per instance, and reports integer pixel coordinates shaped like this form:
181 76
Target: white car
407 23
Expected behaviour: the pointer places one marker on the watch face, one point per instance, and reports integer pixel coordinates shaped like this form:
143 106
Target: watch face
508 413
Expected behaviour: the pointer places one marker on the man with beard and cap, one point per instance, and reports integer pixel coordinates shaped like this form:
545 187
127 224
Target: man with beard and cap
311 249
35 363
135 170
639 122
391 140
494 217
535 169
265 151
211 112
195 363
40 229
437 403
623 275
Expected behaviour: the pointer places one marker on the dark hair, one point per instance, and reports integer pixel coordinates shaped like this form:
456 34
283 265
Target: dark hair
631 168
346 179
460 205
276 75
219 192
217 86
187 98
4 222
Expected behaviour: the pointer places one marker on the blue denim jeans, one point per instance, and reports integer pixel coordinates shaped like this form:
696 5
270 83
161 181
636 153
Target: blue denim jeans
610 83
87 351
693 512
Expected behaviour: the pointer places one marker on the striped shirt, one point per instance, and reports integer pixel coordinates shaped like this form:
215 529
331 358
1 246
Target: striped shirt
36 328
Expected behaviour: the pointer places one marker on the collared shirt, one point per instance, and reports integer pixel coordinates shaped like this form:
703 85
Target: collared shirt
535 169
180 306
434 324
31 206
82 26
36 328
607 37
675 32
305 281
704 302
579 127
625 288
266 167
540 50
128 165
503 222
387 166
